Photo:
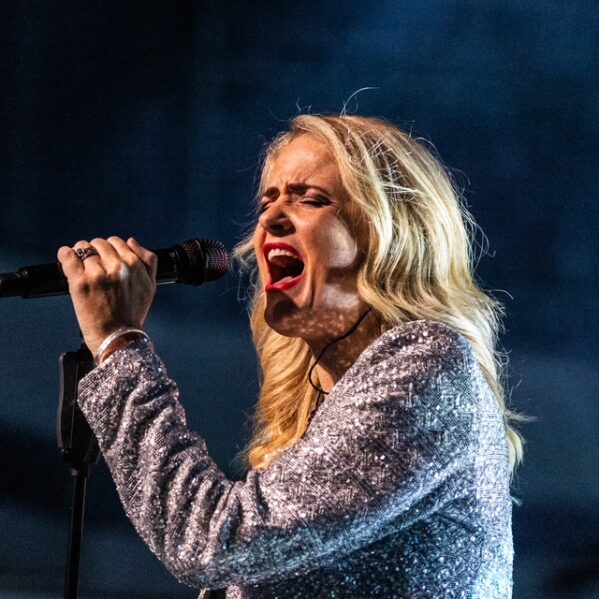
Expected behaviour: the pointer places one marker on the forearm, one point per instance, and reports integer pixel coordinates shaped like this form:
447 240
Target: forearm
207 530
141 429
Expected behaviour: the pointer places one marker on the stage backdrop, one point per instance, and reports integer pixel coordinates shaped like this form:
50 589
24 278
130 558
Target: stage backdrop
147 119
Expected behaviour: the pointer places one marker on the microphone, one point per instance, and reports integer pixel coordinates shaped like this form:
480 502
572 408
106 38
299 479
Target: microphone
191 262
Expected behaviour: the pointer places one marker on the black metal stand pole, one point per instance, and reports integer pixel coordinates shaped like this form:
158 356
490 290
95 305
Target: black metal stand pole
75 535
79 448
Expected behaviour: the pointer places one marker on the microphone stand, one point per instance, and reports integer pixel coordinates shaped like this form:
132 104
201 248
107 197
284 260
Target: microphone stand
79 449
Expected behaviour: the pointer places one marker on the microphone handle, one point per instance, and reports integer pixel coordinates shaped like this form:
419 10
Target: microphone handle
46 280
41 280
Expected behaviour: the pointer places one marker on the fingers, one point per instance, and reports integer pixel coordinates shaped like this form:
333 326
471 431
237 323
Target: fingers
150 259
109 257
114 256
70 261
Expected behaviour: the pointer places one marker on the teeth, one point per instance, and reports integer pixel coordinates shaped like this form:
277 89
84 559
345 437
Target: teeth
280 252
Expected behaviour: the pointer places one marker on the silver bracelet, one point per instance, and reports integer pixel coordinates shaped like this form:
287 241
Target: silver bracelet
118 333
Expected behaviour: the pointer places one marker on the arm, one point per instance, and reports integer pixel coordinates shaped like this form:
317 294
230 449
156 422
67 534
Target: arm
394 428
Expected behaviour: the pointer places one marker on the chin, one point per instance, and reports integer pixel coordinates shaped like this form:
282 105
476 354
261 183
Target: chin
284 317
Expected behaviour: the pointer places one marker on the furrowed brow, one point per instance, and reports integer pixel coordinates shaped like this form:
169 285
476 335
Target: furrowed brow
303 187
271 192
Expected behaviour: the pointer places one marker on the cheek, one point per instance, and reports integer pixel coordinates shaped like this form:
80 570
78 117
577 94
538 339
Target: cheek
339 246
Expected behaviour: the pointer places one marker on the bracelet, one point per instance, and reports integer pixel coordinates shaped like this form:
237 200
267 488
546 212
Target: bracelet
98 358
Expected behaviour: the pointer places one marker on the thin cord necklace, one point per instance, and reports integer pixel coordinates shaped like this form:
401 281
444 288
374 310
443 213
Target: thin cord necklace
344 336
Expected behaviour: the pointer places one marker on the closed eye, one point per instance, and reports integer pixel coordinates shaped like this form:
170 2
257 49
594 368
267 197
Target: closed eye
315 201
311 201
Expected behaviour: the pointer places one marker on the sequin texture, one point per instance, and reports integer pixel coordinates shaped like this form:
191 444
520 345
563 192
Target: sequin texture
398 489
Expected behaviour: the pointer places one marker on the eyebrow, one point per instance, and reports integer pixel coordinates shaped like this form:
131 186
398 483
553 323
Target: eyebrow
295 188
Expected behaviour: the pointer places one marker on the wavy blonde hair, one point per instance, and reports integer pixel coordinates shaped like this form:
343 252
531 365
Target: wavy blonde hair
418 265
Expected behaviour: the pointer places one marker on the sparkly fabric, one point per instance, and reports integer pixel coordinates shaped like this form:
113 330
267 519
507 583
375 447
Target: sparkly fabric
398 489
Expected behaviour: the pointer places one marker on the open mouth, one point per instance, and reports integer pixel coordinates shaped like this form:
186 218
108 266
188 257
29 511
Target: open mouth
284 266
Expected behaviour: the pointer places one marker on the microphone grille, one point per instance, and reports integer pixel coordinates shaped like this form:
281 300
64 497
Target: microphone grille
216 259
207 260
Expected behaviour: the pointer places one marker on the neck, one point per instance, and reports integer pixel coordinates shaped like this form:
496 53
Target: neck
339 356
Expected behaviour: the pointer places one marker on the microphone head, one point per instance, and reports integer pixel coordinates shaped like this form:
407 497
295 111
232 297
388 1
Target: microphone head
205 260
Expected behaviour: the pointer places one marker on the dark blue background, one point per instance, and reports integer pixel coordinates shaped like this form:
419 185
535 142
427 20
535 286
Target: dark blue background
146 119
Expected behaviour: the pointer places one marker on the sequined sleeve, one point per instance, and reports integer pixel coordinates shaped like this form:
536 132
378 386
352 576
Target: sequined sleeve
393 429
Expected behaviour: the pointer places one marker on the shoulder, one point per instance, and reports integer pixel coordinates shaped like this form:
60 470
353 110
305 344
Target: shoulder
417 352
420 377
417 338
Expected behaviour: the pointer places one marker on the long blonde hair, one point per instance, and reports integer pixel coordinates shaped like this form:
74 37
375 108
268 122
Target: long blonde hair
418 265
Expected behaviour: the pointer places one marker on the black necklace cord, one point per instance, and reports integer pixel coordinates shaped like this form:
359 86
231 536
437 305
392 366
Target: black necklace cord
344 336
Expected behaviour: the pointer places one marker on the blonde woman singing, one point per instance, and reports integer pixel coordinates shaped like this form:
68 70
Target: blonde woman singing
382 450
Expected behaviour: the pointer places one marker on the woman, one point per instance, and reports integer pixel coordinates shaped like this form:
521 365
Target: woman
382 451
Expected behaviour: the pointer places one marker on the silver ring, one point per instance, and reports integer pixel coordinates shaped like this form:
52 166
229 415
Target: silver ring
84 253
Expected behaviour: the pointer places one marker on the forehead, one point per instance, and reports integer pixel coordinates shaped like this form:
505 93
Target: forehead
303 160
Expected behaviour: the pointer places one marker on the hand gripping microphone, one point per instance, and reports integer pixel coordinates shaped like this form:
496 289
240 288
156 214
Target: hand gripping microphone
192 262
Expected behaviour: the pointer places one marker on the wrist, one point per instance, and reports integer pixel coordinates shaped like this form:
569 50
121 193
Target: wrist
119 339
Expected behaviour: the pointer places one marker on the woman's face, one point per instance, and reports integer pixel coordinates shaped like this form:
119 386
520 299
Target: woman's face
306 244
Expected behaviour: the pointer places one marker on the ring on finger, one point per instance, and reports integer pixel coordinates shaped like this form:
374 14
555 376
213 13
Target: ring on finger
86 252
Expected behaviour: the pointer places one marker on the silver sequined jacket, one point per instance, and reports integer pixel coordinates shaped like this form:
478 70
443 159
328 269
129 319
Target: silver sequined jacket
398 489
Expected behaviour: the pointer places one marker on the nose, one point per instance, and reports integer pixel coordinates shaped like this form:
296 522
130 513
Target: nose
275 219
